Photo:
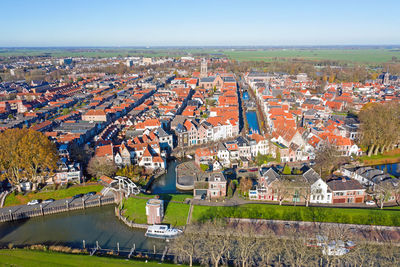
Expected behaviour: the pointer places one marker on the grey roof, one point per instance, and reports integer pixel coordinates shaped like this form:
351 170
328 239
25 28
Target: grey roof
180 128
343 184
311 176
161 132
217 177
270 175
207 79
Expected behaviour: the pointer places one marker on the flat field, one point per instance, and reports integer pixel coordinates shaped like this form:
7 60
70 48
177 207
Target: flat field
355 55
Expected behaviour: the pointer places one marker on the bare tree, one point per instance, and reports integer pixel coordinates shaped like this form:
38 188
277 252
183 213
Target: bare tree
187 245
99 166
217 241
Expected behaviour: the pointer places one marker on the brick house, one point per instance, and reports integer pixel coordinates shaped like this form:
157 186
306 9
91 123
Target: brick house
216 185
346 190
95 115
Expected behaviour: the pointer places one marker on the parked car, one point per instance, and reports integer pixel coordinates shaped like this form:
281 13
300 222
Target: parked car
242 170
33 202
90 194
253 170
48 200
77 196
370 202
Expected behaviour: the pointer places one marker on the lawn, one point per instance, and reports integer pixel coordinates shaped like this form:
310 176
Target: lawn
300 213
20 199
32 258
135 210
174 213
385 158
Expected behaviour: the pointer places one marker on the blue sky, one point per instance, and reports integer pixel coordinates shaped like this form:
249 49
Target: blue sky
201 22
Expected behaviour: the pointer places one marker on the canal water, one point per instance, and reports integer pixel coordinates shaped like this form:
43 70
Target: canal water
166 183
93 224
393 169
70 228
252 121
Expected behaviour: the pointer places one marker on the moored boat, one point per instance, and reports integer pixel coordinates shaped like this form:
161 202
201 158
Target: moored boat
162 231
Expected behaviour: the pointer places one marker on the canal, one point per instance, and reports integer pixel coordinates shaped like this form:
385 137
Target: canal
393 168
252 121
93 224
71 228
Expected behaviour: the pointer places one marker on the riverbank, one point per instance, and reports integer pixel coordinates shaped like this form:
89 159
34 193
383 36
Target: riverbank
385 158
20 199
22 257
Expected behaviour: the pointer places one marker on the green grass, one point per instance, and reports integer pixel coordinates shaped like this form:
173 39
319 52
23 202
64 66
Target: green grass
135 210
349 55
360 55
32 258
20 199
300 213
174 213
380 159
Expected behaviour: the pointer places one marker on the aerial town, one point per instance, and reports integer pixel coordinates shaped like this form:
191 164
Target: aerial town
165 137
208 133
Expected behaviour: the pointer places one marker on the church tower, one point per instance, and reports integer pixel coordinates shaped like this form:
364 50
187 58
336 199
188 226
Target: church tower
203 69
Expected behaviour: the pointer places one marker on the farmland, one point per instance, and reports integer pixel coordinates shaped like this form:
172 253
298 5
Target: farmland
354 54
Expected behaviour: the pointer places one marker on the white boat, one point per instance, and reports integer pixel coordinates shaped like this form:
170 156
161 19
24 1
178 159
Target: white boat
162 231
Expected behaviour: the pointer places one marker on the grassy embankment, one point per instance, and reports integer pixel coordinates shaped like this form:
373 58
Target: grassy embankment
387 217
134 209
20 199
19 257
389 157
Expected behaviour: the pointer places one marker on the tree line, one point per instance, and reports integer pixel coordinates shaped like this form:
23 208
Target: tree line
379 127
216 243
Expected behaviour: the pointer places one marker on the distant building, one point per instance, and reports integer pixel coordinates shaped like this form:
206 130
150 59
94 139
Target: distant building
203 69
65 61
95 115
154 211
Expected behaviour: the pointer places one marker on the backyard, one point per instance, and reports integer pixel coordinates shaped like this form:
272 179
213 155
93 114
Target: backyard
386 217
20 199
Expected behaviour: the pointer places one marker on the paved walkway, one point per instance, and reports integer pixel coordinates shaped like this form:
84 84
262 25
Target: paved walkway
237 200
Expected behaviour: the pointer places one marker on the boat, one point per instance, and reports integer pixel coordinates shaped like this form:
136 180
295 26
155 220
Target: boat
162 231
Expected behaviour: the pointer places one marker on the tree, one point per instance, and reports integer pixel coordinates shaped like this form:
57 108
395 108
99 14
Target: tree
187 246
26 155
216 241
383 191
245 185
245 241
286 170
327 159
379 124
99 166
